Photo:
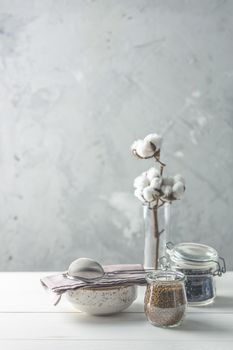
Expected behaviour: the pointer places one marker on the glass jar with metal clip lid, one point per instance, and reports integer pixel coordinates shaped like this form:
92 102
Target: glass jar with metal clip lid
200 263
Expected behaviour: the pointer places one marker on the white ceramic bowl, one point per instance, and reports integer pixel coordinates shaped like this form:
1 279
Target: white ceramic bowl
102 301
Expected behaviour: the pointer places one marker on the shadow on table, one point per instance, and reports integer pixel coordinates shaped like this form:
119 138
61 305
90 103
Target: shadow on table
123 317
222 302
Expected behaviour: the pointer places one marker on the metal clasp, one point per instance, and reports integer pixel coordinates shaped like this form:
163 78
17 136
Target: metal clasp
221 269
164 262
170 245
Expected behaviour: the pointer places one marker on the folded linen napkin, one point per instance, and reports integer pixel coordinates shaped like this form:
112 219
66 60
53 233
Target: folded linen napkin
59 284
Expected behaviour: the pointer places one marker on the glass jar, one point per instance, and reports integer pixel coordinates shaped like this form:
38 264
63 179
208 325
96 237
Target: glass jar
200 263
156 230
165 298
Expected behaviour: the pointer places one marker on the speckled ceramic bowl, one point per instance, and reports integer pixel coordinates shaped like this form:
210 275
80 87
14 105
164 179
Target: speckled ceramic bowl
102 301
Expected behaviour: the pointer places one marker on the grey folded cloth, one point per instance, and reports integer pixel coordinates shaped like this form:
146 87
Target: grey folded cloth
59 284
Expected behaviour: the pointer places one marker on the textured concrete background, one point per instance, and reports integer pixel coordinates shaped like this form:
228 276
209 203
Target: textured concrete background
79 81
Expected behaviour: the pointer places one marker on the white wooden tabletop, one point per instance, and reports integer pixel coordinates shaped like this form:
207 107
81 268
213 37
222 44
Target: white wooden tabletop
28 320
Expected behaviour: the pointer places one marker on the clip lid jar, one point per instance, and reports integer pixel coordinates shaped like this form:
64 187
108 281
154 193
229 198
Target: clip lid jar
200 263
165 298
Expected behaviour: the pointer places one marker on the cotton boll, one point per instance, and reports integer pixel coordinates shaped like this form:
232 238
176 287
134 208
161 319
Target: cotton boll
141 181
153 203
156 183
136 147
138 194
152 173
168 181
167 190
144 149
141 149
155 139
178 190
179 178
144 173
148 193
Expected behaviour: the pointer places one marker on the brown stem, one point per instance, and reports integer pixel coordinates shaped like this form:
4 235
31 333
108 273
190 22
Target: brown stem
161 205
155 214
161 232
161 170
159 161
156 233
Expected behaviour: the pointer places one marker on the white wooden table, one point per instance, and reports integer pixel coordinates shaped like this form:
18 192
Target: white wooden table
28 320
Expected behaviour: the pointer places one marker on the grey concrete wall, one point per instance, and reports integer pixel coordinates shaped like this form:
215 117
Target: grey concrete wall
79 81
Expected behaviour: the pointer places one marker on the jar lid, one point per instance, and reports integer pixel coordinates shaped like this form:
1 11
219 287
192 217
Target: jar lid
195 252
193 255
165 276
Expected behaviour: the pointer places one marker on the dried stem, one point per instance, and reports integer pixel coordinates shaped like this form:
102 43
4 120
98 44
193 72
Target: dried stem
156 233
159 206
155 214
159 161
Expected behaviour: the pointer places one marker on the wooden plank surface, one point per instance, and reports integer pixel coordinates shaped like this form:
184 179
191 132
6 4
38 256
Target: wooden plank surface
22 292
167 344
28 320
125 326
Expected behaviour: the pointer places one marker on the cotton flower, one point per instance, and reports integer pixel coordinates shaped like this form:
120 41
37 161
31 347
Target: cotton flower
147 186
155 139
149 193
168 181
151 185
153 203
156 183
167 190
141 181
135 148
147 147
178 190
152 173
180 178
178 187
138 194
143 149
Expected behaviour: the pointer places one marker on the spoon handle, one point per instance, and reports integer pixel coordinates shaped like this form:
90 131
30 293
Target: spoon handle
129 271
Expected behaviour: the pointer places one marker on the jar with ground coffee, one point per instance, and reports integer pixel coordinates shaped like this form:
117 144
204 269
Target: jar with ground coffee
200 263
165 298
